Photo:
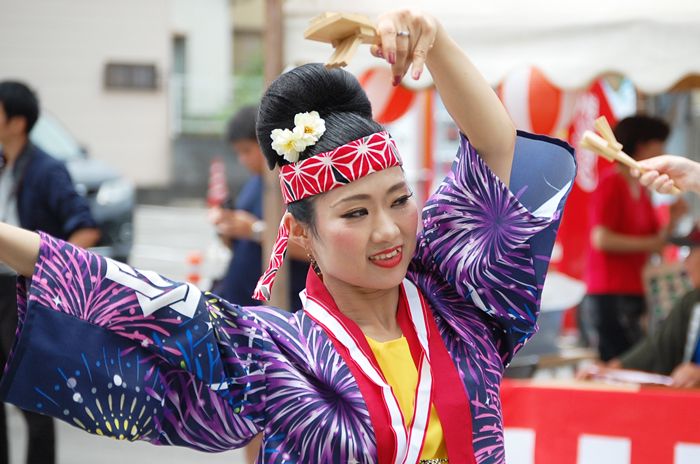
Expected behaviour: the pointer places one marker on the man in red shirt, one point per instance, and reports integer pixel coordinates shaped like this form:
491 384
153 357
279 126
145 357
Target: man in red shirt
624 233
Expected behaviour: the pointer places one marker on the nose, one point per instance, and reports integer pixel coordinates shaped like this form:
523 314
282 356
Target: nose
385 228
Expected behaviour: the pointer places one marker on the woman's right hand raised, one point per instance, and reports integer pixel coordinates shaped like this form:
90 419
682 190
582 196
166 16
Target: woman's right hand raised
412 38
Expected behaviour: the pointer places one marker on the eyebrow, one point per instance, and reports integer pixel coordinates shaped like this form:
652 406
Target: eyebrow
364 196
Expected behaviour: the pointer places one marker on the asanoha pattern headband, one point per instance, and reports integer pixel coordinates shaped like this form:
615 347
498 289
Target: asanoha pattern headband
322 173
336 168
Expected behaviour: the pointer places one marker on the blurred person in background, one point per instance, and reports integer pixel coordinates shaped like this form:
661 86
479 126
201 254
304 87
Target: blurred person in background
36 193
241 226
673 349
625 231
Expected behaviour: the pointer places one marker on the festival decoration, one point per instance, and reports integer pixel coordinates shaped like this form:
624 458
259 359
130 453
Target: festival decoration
389 103
534 104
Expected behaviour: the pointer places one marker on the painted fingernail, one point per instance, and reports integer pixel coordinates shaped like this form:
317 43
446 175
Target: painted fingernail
379 53
396 81
416 75
392 58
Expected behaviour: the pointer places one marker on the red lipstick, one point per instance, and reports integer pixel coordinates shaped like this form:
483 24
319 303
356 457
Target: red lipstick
388 258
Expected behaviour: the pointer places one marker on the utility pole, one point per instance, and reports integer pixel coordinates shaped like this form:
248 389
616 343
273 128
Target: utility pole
273 206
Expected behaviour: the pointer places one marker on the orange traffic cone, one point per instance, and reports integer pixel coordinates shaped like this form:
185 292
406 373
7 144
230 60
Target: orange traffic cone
217 191
194 267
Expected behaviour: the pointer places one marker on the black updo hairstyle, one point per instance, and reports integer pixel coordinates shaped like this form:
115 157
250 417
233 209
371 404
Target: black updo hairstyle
340 101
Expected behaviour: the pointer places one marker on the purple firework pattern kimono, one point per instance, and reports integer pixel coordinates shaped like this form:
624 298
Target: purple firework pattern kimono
126 353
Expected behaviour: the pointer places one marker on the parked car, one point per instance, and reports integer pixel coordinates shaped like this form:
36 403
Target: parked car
111 197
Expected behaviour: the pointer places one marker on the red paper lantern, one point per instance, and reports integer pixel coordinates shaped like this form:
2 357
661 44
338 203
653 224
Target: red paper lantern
534 104
389 103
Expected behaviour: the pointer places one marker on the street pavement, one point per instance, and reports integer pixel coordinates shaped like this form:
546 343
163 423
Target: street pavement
163 237
77 447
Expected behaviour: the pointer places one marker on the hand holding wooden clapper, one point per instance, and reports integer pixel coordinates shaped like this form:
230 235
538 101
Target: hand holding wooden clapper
609 148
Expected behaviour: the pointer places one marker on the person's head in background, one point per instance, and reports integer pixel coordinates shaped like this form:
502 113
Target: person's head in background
642 136
19 110
692 261
241 137
692 264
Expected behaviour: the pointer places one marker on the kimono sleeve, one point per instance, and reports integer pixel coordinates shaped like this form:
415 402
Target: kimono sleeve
492 244
128 354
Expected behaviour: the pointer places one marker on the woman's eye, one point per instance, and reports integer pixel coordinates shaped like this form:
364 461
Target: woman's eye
356 213
402 200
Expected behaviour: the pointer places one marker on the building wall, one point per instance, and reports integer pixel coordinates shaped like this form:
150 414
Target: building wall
206 27
248 14
248 20
60 48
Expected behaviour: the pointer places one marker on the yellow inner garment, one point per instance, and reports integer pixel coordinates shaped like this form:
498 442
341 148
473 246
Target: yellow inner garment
394 358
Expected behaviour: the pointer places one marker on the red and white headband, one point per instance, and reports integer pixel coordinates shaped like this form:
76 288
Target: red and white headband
320 173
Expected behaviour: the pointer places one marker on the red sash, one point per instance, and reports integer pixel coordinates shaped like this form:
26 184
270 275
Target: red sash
439 382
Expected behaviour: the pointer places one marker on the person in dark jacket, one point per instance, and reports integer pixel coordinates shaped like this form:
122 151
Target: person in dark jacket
673 349
36 193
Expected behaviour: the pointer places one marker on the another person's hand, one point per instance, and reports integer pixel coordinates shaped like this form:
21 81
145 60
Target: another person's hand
596 368
604 239
686 375
235 224
657 243
585 372
668 170
85 238
401 50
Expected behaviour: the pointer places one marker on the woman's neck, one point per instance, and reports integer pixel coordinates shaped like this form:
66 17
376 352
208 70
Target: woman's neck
374 311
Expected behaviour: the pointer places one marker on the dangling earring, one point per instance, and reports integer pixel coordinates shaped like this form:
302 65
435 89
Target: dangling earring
314 265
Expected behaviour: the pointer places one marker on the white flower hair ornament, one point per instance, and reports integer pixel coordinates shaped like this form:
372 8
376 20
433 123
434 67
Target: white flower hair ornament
308 128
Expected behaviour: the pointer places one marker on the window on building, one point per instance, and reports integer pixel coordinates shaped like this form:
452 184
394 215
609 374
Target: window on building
247 51
179 54
131 76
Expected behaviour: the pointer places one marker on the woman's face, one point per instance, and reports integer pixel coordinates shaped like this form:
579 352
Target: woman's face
366 232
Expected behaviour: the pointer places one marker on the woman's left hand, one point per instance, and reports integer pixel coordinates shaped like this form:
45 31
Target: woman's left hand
407 35
411 38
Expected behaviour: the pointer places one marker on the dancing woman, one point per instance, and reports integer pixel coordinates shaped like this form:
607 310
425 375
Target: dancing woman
399 352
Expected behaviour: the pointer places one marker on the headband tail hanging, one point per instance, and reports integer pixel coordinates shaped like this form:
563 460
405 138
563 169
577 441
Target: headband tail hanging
263 289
